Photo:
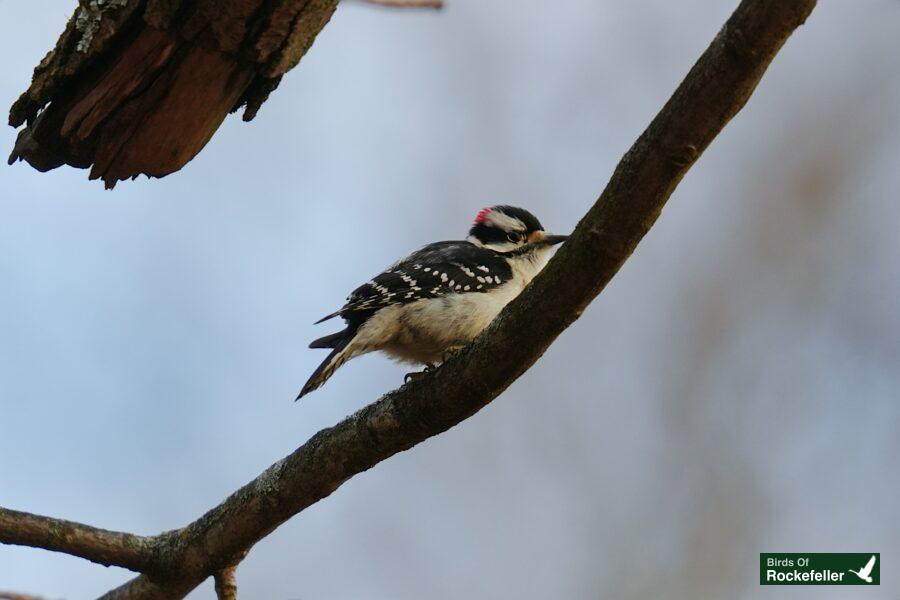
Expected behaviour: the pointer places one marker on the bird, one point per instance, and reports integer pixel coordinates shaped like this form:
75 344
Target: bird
866 572
436 300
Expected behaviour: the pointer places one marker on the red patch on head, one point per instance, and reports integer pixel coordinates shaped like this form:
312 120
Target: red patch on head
481 217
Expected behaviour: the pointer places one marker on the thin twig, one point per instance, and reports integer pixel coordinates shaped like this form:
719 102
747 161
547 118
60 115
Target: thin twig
437 4
14 596
226 584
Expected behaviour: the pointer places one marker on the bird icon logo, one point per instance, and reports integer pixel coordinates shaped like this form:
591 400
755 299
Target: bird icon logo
866 572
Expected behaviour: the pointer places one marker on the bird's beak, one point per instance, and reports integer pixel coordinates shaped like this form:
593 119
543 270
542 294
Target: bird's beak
553 240
545 239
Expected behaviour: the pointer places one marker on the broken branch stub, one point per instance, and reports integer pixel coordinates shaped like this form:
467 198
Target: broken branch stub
140 86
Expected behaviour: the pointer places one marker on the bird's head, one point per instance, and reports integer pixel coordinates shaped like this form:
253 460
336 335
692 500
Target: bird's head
508 229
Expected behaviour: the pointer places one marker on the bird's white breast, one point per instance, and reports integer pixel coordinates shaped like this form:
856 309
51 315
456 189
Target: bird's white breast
424 330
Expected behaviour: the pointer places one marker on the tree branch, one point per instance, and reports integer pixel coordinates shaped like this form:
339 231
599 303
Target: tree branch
715 89
226 584
140 86
96 545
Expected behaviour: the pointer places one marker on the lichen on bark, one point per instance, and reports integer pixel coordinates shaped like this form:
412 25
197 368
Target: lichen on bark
87 20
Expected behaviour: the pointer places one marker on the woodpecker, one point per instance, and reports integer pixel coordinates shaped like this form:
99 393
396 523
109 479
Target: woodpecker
440 297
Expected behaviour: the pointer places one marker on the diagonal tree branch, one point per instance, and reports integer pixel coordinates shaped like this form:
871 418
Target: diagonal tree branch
715 89
96 545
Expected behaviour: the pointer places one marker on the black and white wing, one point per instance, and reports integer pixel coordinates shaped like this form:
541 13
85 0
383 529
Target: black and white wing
436 270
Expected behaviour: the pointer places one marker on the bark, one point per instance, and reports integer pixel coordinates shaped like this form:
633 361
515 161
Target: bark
715 89
226 584
140 86
97 545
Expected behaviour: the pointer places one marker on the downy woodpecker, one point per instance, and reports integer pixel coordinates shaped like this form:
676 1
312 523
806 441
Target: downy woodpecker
439 298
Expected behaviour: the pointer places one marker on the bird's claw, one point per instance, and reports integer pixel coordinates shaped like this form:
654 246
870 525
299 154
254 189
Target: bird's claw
417 375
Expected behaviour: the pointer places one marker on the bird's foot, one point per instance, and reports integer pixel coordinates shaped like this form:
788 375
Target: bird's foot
417 375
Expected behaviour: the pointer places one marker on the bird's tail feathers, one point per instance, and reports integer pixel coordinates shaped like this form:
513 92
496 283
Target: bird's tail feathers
330 316
330 341
342 353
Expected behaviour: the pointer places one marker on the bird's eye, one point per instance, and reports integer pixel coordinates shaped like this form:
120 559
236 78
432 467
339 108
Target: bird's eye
514 236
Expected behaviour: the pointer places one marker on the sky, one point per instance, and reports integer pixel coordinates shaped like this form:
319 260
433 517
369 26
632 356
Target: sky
733 391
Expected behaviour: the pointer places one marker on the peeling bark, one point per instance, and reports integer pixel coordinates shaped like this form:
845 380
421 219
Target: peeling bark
140 86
